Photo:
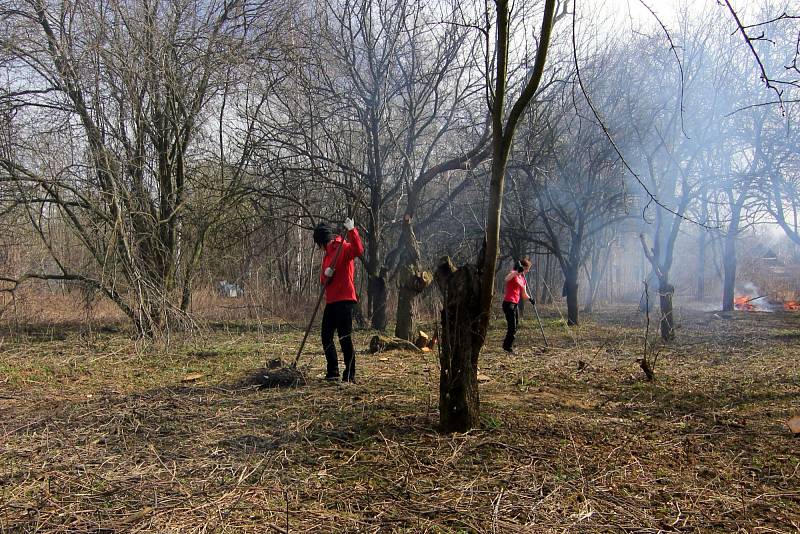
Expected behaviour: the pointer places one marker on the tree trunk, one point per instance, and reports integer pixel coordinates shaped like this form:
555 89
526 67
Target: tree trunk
461 342
404 329
376 296
358 315
537 275
571 291
548 279
700 289
665 292
191 270
412 281
644 304
729 268
376 288
599 265
468 291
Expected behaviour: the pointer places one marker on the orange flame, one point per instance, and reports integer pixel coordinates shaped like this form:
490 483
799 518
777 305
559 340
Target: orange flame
791 305
742 303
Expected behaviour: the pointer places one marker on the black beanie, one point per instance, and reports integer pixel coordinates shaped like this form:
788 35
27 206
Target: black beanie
323 233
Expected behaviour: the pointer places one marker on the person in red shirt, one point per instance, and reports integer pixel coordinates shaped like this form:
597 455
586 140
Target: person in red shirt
515 289
340 295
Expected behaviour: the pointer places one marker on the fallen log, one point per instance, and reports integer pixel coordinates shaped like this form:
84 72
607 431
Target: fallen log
380 343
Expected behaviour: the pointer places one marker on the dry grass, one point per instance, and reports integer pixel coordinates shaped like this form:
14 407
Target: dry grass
43 307
85 310
102 435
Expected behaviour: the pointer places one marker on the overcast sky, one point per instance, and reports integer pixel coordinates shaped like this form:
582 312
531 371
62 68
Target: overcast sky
634 11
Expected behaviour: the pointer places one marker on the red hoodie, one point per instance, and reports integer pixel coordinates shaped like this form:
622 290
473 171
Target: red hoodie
341 287
514 288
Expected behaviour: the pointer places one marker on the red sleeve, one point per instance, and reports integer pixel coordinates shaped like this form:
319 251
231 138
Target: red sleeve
354 247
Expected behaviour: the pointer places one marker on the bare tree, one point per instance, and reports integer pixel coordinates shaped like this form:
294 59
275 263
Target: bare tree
672 131
438 115
468 291
579 185
114 136
766 33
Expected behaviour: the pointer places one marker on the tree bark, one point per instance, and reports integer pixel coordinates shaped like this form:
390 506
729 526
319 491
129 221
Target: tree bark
600 262
376 288
571 290
358 315
700 289
729 252
461 343
468 291
594 283
412 281
404 327
376 297
665 292
729 268
548 279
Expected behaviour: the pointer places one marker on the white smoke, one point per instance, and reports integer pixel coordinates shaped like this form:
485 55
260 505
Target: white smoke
755 298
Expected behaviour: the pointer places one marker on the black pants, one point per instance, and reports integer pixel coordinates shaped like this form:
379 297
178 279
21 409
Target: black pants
338 316
512 318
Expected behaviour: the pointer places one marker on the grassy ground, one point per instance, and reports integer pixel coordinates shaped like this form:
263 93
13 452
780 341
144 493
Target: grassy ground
98 434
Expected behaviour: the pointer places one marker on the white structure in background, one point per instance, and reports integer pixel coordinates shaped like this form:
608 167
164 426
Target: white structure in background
229 290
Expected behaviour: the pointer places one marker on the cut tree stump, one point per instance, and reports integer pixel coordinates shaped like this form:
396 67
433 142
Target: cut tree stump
422 339
462 337
380 343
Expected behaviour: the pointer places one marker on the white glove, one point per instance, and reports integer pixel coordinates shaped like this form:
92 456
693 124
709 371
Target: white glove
349 224
328 272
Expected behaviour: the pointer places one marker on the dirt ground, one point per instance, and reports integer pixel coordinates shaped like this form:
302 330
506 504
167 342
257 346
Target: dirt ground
99 434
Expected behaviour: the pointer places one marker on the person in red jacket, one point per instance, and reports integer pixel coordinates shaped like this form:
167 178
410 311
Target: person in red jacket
340 295
515 289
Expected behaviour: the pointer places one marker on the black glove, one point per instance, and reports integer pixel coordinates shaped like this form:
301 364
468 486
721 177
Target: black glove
518 266
532 301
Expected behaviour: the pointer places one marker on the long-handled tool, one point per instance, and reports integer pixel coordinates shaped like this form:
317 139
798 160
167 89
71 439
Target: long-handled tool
541 328
319 301
322 291
539 319
275 374
308 329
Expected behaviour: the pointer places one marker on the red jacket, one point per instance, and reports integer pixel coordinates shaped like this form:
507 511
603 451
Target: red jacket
514 288
341 286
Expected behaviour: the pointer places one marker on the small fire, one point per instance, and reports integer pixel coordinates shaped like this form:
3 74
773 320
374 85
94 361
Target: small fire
744 304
